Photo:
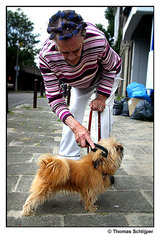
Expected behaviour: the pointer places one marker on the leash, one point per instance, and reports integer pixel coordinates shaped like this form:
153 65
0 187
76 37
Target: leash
99 125
97 146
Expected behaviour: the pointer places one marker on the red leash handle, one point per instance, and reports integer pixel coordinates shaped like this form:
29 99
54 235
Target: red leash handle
89 125
99 126
90 120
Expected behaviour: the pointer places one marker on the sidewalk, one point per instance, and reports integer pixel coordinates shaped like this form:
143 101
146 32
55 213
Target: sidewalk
129 202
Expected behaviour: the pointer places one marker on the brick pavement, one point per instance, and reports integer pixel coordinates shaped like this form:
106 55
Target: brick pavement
129 202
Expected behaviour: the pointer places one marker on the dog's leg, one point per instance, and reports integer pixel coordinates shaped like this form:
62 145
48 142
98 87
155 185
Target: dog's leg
34 200
89 199
29 205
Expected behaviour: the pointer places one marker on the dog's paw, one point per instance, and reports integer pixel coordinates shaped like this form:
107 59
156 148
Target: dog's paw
92 208
27 212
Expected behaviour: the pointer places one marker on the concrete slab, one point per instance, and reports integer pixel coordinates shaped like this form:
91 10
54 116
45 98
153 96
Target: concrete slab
45 221
123 201
145 220
21 169
96 220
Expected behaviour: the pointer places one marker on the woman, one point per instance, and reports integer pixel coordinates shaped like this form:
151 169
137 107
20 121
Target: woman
78 54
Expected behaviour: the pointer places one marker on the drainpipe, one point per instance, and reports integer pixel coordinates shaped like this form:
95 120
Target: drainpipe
126 66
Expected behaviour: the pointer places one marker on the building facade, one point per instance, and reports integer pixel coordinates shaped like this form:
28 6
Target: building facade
137 26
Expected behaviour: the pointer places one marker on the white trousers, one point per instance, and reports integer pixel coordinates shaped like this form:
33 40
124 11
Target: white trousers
79 99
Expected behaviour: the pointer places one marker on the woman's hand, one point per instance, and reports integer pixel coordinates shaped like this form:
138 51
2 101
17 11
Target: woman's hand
81 133
98 104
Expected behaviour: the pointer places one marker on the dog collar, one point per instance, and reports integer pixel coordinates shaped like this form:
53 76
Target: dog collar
97 146
105 153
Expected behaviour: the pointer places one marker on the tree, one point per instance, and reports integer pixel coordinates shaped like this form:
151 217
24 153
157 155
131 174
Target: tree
101 27
109 33
19 34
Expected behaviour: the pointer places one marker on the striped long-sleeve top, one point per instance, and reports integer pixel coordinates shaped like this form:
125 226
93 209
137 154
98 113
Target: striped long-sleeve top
99 63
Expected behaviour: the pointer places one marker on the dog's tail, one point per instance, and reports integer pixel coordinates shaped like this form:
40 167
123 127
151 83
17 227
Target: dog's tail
53 170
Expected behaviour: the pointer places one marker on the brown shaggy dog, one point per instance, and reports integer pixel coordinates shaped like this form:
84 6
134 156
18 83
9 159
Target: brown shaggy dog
89 176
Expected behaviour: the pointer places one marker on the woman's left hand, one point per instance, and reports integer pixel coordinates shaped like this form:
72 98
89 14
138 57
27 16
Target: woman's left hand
98 104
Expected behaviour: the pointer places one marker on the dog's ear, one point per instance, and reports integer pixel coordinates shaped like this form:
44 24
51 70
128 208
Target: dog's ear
96 163
98 157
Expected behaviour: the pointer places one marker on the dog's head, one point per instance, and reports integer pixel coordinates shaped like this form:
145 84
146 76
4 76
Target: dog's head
108 160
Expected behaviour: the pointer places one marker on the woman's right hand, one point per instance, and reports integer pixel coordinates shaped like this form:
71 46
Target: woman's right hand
82 135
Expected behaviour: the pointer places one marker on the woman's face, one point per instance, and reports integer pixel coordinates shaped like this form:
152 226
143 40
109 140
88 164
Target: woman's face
71 48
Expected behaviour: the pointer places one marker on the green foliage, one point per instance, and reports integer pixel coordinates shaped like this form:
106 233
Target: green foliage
20 33
101 27
117 45
118 97
109 33
110 29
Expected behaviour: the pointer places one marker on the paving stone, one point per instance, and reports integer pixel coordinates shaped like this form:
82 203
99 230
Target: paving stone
134 183
135 168
120 201
38 149
25 183
11 131
145 220
35 158
18 158
120 171
16 200
96 220
33 221
48 143
61 204
21 169
144 159
148 150
14 142
11 182
9 139
149 196
14 149
133 149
